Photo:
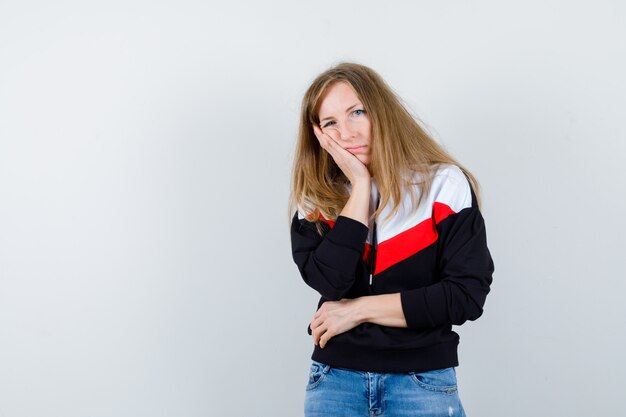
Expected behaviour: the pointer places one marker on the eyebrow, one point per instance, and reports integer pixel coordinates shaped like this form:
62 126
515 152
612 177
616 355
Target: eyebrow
347 110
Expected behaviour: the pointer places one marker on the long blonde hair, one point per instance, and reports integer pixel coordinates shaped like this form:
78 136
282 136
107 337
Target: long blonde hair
400 149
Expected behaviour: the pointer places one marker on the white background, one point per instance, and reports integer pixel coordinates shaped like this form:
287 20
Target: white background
145 151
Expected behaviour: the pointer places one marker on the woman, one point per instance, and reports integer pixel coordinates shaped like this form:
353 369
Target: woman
387 229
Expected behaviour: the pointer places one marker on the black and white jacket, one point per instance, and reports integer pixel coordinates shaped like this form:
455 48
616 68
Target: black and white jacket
436 257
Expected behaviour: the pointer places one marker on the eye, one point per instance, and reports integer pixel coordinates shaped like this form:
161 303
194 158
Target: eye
328 124
359 112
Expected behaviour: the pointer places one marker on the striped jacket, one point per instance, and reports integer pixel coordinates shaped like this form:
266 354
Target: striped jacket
436 257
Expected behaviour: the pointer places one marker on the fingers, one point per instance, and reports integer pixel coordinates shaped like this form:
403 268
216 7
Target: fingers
315 317
324 339
321 335
319 135
323 342
315 322
318 131
319 330
332 138
317 333
342 157
327 142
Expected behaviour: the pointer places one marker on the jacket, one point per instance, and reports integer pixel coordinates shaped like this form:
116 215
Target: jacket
436 257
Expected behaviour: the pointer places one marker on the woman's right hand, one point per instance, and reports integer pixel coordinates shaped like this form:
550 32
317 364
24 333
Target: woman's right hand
352 167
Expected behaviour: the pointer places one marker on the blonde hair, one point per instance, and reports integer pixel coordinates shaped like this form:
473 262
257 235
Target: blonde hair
400 149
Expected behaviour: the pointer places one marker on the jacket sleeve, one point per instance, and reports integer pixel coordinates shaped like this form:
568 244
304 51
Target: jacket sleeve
328 263
465 266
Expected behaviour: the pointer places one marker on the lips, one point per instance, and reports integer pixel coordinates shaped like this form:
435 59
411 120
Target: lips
356 148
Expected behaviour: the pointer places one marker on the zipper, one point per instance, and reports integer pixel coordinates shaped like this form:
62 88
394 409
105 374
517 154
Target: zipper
374 246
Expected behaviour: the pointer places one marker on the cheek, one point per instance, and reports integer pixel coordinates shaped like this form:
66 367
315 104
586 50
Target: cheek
366 132
366 126
332 132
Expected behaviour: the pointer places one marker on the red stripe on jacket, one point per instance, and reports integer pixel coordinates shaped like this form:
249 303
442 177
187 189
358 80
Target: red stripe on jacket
411 241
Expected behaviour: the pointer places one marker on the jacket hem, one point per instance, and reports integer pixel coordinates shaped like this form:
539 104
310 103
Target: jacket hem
442 355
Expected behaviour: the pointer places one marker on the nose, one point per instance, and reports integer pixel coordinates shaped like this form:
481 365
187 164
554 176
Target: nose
346 131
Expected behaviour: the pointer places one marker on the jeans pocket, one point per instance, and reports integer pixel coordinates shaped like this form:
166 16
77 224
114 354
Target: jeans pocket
438 380
317 373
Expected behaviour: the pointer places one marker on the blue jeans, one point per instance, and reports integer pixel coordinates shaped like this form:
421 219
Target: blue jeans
338 392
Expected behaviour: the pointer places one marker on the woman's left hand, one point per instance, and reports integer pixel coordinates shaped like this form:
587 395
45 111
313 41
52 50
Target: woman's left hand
335 317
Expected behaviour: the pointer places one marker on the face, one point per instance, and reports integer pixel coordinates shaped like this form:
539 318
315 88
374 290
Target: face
343 117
